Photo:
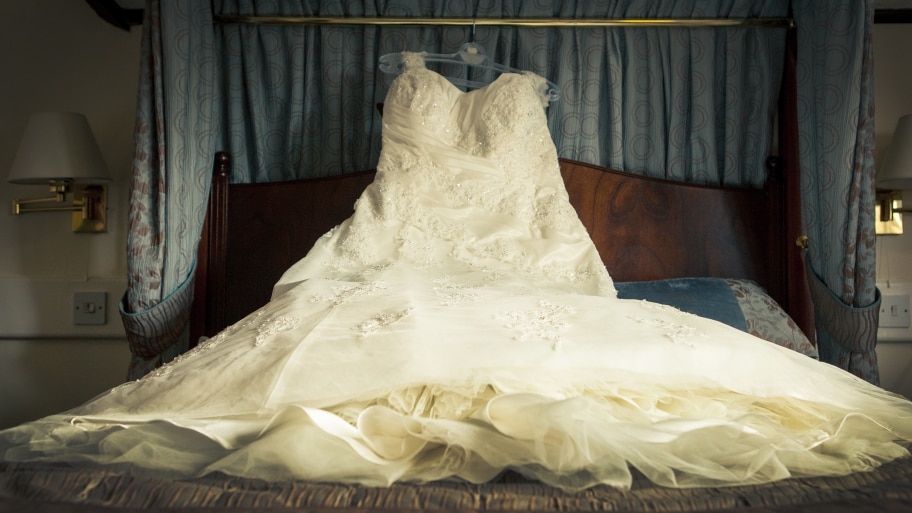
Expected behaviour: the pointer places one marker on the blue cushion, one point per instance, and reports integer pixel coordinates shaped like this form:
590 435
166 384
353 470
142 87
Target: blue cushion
706 297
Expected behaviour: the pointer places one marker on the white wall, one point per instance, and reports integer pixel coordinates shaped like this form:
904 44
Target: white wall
59 55
893 99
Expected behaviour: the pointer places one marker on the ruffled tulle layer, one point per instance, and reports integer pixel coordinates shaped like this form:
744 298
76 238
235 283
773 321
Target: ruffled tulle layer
305 389
701 437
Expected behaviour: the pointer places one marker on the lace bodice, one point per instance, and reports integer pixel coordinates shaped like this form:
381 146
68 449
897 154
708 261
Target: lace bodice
467 181
483 122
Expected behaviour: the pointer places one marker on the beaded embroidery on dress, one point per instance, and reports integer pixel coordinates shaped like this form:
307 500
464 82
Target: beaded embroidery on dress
452 174
461 323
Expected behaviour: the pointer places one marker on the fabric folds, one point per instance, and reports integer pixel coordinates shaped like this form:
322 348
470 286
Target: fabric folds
461 324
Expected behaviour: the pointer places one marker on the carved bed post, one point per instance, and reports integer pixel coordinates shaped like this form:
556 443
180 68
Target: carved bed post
798 303
211 271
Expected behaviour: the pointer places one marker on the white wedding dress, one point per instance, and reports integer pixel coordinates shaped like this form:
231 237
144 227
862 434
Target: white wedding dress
461 323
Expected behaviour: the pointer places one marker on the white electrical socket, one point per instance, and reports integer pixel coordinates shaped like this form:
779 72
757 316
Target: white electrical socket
89 307
894 311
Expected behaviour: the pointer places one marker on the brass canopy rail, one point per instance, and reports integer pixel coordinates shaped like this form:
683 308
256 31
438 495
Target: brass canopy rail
517 22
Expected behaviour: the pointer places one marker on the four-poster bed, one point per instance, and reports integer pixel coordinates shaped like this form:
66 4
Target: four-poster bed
784 243
645 229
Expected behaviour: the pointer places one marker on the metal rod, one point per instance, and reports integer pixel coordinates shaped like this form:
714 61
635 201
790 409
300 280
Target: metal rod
67 208
519 22
58 198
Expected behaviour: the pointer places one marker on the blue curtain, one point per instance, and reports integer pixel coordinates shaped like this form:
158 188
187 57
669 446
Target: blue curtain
836 146
174 136
691 104
694 104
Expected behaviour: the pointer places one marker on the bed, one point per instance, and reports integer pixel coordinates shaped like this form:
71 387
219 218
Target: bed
732 254
663 240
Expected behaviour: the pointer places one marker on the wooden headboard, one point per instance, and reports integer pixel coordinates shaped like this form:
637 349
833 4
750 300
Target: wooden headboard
644 228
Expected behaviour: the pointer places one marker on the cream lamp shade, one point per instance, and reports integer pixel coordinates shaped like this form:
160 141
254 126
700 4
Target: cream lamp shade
59 151
58 147
896 171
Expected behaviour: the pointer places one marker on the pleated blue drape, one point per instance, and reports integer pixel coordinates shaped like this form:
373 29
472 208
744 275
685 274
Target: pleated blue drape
836 127
692 104
176 124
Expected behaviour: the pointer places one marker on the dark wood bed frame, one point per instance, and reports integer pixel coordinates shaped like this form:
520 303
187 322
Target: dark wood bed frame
644 228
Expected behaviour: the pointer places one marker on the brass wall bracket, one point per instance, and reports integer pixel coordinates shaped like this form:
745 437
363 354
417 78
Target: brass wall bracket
888 214
89 206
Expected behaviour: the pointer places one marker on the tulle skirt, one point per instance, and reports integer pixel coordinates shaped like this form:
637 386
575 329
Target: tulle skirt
400 378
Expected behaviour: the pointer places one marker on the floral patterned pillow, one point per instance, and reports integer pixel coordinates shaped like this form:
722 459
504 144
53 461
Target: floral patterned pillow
742 304
767 320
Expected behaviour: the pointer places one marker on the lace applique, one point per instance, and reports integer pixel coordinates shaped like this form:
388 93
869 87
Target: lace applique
379 321
426 95
511 109
678 333
554 211
418 253
543 323
344 293
581 274
449 293
412 60
234 328
357 245
503 250
474 192
661 307
344 269
272 327
487 274
206 345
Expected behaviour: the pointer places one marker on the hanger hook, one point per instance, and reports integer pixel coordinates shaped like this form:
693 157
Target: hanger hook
472 36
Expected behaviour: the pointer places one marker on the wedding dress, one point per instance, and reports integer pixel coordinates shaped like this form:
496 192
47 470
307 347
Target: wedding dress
461 323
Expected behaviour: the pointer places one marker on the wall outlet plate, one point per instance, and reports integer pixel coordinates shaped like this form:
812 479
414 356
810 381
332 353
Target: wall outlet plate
894 311
90 307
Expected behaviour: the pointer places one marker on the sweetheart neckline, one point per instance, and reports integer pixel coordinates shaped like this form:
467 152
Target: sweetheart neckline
470 91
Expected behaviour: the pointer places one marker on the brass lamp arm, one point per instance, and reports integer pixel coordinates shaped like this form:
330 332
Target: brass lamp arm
88 207
18 203
69 208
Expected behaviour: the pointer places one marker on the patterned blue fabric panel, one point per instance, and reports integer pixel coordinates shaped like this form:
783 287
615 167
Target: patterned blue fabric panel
707 297
836 122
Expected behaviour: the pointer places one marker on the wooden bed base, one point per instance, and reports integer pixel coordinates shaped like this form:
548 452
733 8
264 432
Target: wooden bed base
644 228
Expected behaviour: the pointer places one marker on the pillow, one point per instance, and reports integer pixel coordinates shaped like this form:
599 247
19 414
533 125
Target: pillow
741 304
706 297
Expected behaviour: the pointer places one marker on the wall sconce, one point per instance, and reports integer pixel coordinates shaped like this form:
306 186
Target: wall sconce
59 150
895 174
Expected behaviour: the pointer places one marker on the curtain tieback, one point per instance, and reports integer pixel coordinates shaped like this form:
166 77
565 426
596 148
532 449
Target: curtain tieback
154 330
854 328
